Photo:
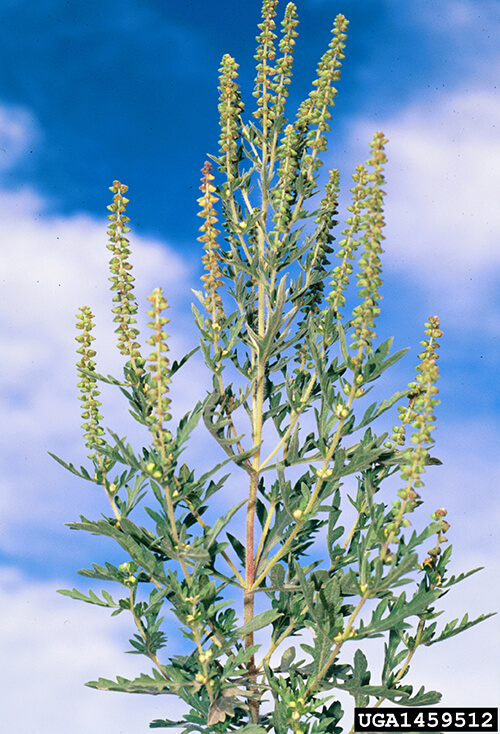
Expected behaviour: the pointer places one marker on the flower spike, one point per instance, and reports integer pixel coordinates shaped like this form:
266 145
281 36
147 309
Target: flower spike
122 279
284 64
230 109
265 53
364 314
158 364
212 280
88 383
420 414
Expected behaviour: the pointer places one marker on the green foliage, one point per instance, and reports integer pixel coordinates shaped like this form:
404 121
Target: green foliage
291 369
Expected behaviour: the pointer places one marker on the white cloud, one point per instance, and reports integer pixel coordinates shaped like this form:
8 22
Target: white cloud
442 184
18 130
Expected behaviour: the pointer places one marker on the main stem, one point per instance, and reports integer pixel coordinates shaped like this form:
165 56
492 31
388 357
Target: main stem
248 598
257 413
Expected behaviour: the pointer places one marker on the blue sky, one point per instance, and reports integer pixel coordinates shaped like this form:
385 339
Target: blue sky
92 92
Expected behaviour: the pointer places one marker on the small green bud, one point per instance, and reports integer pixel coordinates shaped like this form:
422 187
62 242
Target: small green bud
324 473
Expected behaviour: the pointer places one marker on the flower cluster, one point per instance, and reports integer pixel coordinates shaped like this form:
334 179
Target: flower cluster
122 278
284 64
433 565
158 364
211 280
265 53
284 194
88 383
424 404
230 110
326 221
315 111
348 246
365 313
271 82
420 414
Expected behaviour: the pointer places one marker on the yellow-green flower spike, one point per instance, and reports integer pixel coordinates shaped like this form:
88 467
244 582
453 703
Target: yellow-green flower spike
211 280
284 65
88 384
158 364
265 54
283 196
315 111
424 404
369 279
122 279
230 110
420 414
349 245
326 221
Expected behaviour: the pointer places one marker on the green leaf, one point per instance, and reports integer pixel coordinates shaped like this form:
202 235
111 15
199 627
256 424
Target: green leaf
222 522
399 611
452 628
360 677
401 695
92 598
131 538
83 473
376 364
238 547
165 724
177 365
374 410
287 659
143 684
343 345
258 622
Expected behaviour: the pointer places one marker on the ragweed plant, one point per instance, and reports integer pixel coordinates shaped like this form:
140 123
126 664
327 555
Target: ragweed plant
274 617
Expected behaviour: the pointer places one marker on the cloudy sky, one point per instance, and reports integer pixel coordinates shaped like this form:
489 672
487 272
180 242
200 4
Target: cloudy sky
96 91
